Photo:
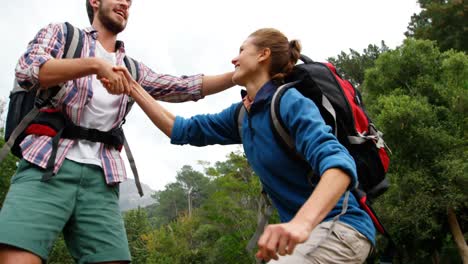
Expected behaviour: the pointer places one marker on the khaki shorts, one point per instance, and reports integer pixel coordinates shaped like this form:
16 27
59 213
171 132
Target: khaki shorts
76 201
343 245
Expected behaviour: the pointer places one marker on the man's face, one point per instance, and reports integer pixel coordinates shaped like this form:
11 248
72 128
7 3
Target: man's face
113 14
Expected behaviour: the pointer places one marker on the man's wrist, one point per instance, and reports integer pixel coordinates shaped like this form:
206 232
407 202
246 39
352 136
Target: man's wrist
95 64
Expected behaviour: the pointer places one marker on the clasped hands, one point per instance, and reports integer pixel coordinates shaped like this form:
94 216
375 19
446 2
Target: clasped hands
116 79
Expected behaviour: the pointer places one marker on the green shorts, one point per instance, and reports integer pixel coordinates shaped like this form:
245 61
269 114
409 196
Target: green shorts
76 201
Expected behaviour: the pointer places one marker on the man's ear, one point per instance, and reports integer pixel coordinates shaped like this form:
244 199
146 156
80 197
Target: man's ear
264 54
94 3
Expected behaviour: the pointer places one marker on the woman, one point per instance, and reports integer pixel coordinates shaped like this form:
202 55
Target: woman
307 211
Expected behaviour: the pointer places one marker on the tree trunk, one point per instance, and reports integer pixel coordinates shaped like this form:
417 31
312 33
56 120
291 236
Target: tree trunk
435 257
457 235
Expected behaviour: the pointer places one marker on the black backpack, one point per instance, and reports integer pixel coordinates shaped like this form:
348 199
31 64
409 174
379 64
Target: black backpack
341 107
25 106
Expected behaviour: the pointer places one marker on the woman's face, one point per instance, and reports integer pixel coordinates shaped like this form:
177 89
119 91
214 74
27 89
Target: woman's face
246 63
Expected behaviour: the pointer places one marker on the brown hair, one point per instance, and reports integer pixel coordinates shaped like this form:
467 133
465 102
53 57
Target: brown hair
284 53
90 10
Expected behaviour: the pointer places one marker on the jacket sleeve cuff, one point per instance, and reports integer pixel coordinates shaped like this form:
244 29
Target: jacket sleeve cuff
343 163
179 131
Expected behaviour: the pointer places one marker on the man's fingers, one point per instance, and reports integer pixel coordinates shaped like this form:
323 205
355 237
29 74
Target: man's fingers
115 84
119 68
124 71
104 80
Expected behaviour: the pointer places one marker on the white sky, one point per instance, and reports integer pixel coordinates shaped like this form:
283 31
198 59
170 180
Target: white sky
183 37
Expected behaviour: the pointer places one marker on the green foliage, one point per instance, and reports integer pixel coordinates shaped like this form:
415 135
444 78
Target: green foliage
413 68
137 225
191 187
418 97
443 21
353 65
219 229
7 169
59 253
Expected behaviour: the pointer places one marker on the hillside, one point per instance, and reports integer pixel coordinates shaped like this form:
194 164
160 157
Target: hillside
129 197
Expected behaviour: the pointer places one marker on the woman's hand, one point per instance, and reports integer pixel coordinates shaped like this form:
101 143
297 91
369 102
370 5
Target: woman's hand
281 239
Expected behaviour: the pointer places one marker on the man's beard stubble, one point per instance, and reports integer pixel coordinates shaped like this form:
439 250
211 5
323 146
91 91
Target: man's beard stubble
111 25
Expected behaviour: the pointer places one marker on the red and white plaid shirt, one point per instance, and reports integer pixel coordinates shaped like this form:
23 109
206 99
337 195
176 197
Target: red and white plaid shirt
48 44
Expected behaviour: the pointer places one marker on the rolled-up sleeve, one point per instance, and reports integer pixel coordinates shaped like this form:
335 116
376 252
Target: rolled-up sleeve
47 44
170 88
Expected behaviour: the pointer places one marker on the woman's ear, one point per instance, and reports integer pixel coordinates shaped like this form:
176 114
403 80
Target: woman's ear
264 54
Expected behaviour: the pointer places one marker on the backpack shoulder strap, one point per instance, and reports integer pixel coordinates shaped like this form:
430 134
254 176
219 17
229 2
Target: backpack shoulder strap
133 67
73 41
239 116
277 124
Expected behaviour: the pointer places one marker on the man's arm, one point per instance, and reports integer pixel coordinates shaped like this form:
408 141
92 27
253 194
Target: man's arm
216 83
42 66
56 71
171 88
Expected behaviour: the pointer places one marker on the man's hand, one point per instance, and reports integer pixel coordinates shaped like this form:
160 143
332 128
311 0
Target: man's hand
281 239
114 81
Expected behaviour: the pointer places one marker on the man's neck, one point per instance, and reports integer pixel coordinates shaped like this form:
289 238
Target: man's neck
105 37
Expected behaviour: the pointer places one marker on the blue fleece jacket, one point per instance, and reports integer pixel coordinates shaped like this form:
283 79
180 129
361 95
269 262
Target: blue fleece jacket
283 177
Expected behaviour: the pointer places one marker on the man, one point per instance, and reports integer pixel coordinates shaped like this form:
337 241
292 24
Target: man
81 199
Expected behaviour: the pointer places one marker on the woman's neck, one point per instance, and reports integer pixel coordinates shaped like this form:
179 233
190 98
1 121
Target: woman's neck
256 84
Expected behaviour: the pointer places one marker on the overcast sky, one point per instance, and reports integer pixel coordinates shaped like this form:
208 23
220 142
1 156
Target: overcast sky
182 37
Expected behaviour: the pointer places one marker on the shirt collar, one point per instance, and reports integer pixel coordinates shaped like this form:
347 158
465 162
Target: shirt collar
119 45
263 95
265 92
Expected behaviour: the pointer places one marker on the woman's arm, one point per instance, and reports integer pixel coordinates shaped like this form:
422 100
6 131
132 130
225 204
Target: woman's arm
199 130
282 238
327 157
160 117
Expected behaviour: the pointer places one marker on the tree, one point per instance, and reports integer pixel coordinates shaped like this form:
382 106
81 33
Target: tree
220 226
59 253
353 65
170 202
195 185
191 188
7 169
8 165
419 98
232 209
137 226
443 21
